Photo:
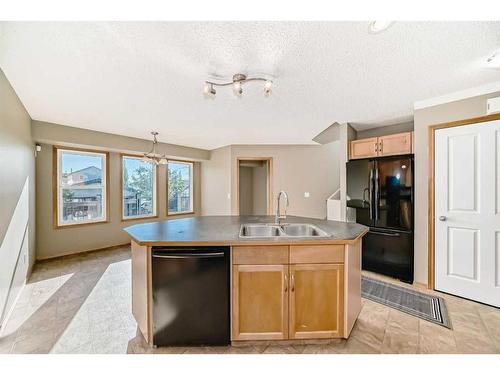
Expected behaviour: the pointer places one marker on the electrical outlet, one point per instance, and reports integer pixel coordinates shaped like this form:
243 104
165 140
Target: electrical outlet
306 194
228 195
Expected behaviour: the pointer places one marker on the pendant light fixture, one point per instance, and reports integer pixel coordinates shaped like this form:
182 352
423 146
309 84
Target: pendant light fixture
237 83
152 156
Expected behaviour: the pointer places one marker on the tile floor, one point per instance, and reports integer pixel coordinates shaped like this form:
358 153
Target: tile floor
82 304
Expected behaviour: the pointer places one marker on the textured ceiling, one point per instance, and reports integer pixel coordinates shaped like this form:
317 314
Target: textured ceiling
132 77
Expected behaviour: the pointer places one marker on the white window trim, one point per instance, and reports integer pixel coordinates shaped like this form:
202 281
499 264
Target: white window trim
104 182
155 173
191 188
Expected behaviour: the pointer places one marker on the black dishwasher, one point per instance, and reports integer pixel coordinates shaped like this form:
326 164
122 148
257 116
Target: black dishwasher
190 295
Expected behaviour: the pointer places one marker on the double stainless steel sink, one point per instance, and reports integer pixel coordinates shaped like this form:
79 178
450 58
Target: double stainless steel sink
281 230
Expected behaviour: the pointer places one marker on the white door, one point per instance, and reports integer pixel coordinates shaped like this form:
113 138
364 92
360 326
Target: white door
467 211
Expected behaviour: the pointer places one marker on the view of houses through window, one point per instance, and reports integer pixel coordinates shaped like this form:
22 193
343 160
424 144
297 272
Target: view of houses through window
139 188
81 187
180 187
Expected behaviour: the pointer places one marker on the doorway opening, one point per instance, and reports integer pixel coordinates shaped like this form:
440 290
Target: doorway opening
254 186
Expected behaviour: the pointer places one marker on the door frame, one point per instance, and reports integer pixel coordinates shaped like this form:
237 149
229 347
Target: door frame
431 187
269 180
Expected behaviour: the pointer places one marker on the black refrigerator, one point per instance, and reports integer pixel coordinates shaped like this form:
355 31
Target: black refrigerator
382 192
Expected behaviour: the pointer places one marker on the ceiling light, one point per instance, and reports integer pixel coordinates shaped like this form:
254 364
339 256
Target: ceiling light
268 85
209 89
494 60
237 84
237 88
379 26
152 155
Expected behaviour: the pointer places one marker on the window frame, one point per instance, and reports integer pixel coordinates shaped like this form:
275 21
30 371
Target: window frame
56 187
192 211
155 191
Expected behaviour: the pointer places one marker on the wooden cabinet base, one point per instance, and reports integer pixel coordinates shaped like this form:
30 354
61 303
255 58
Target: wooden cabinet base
259 300
316 301
314 293
290 293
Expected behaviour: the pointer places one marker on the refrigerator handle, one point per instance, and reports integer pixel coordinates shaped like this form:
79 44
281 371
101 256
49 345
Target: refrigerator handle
376 200
370 194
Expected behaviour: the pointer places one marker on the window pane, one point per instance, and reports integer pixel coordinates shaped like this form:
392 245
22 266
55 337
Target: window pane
180 187
138 188
81 187
81 170
82 204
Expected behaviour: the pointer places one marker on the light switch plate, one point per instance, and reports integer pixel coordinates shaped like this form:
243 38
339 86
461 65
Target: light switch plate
306 194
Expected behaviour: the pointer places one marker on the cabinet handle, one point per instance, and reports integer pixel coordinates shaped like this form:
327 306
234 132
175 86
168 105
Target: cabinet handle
376 147
286 284
381 146
293 284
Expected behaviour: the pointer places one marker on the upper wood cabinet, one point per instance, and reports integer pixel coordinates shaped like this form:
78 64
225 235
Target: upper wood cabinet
316 301
363 148
394 144
260 302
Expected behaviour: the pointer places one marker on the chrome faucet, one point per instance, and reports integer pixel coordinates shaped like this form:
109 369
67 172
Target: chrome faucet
277 219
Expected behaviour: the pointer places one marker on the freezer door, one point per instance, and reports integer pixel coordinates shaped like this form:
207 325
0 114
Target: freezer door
393 192
389 252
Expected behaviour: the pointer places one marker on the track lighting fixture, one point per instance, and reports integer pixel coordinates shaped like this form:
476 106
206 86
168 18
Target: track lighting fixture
237 84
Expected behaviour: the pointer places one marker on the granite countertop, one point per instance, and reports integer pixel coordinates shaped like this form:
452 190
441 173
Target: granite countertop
224 230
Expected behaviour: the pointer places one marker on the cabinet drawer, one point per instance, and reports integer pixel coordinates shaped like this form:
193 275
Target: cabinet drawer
316 254
260 254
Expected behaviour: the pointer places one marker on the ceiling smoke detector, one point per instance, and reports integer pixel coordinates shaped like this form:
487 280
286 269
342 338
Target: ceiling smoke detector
379 26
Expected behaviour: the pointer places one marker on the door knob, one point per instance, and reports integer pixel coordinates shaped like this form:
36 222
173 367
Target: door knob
442 218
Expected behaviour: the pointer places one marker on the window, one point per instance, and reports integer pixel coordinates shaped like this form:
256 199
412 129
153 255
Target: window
138 188
180 187
81 187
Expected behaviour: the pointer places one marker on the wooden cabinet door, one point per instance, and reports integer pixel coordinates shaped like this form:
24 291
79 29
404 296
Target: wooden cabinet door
395 144
363 148
260 302
316 301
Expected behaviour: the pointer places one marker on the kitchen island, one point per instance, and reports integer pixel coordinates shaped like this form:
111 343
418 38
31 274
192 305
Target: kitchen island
284 287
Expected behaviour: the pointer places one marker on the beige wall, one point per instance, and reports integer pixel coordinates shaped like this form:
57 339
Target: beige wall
296 169
53 242
56 134
246 191
386 130
423 118
253 189
259 189
216 183
17 190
